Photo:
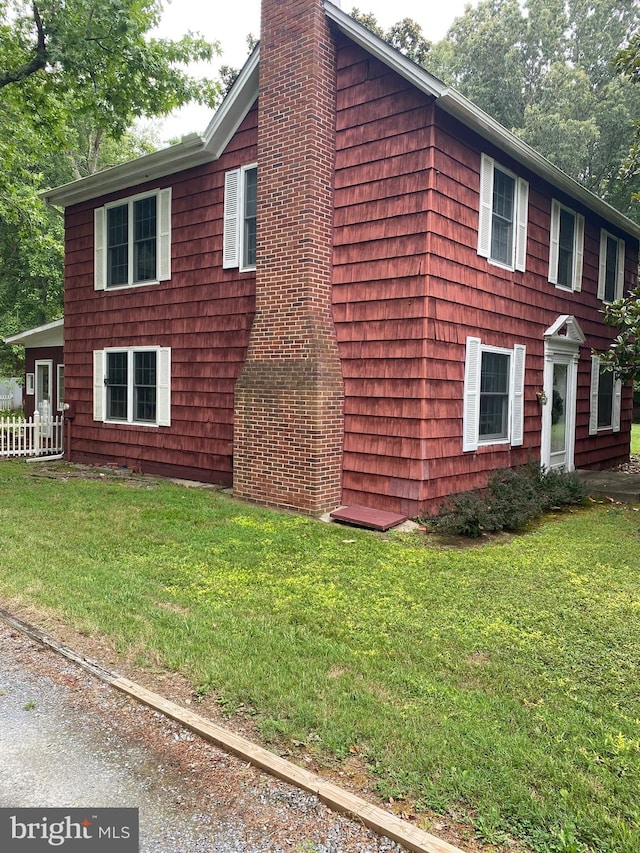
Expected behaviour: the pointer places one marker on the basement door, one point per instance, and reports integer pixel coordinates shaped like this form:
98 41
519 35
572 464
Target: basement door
558 400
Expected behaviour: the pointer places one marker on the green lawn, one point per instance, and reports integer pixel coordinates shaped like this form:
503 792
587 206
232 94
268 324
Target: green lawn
635 439
498 683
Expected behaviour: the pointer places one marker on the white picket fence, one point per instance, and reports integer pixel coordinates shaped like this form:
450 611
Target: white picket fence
37 436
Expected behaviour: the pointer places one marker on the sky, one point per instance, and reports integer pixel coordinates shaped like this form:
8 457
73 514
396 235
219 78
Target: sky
230 22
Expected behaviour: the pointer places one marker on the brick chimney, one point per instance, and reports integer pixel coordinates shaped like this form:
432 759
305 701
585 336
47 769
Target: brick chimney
289 397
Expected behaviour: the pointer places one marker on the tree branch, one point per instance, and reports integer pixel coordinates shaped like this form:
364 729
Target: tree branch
36 63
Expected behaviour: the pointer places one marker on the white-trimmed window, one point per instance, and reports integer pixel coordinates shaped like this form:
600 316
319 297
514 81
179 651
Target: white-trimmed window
566 249
31 384
611 267
132 385
240 218
504 208
493 395
606 399
132 241
60 387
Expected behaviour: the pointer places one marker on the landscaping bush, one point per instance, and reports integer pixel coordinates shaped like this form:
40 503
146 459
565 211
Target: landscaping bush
513 497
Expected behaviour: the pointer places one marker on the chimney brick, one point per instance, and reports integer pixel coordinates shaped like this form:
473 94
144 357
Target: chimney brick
289 397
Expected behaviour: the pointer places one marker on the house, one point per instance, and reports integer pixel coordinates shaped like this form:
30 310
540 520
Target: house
44 367
354 288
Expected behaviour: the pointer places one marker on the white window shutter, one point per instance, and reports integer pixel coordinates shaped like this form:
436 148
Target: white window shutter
471 415
554 242
602 265
486 206
98 385
231 214
579 253
620 271
164 386
595 384
617 405
517 405
164 235
99 249
522 222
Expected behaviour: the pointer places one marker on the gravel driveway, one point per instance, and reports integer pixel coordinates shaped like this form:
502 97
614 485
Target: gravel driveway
69 740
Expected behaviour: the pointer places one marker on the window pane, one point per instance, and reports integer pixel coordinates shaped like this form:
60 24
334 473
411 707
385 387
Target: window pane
565 249
610 274
144 386
250 217
144 239
117 245
502 217
494 395
117 379
605 399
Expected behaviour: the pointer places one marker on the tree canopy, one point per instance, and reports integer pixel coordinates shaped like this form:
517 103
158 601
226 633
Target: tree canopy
74 76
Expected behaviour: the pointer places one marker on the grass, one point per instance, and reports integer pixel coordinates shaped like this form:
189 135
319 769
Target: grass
498 684
635 439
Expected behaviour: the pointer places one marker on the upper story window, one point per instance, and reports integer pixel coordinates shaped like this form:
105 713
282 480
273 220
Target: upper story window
493 395
606 398
504 206
132 241
566 250
132 385
240 218
611 267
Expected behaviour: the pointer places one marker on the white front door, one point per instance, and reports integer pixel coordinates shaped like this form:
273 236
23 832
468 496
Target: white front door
559 391
43 387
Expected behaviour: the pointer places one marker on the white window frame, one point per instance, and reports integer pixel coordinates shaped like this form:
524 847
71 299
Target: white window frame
233 248
163 385
59 387
616 403
472 384
163 240
518 259
602 266
578 247
30 384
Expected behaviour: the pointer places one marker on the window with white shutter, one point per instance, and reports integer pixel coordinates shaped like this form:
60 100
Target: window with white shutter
503 217
240 218
132 241
132 385
493 395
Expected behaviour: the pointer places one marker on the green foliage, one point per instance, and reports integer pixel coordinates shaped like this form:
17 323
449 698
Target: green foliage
513 497
405 35
623 355
545 70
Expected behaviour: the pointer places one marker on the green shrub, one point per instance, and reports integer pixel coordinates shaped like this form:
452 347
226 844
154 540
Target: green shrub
513 497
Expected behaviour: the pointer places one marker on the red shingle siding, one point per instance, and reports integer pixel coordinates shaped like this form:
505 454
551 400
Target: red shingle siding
413 288
203 313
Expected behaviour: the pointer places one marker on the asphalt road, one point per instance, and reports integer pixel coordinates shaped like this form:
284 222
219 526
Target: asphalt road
69 740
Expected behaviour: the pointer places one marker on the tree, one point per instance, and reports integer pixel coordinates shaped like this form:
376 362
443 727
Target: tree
405 35
544 70
623 355
74 75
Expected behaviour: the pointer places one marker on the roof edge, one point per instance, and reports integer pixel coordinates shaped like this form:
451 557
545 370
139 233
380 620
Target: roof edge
23 337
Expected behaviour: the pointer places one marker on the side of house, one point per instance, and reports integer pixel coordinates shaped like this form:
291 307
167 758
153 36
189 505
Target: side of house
381 315
44 368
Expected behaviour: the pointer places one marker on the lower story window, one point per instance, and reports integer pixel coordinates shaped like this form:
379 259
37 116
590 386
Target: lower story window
606 397
132 385
493 395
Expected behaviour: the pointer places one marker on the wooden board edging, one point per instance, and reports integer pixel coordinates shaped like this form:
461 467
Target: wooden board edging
336 798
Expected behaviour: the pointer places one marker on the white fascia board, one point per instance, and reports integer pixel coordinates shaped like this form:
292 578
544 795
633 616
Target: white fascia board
48 335
185 154
452 102
241 97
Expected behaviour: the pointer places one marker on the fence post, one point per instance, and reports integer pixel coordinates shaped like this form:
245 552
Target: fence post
36 431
